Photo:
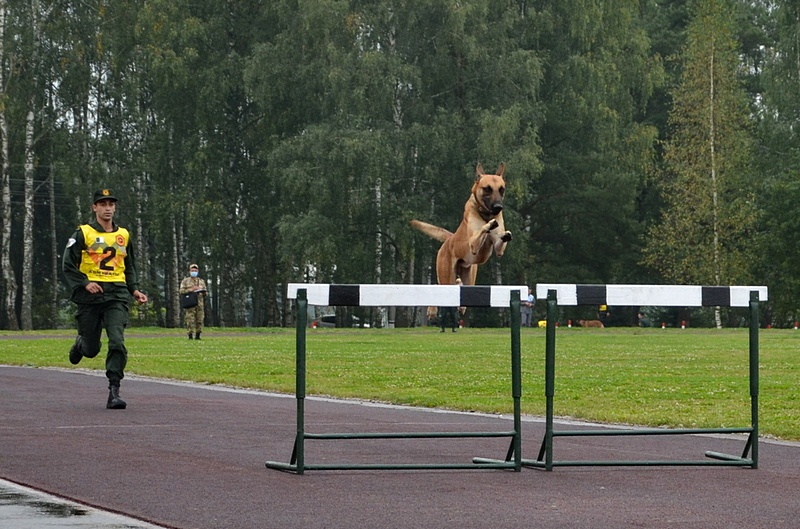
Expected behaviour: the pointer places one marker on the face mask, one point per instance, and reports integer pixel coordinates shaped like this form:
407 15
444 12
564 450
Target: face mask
193 273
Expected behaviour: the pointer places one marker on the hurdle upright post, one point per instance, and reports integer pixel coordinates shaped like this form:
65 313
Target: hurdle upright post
300 377
515 448
754 359
550 377
297 459
516 380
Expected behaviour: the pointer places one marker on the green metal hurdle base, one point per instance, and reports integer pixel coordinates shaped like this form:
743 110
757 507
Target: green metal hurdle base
720 459
545 458
297 463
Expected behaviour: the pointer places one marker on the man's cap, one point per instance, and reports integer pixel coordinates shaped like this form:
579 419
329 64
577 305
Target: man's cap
103 194
191 266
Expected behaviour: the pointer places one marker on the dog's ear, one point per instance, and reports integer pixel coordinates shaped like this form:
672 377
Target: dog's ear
479 170
501 169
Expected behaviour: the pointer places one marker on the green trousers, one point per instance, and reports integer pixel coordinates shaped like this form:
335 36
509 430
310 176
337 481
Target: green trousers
194 319
447 317
113 317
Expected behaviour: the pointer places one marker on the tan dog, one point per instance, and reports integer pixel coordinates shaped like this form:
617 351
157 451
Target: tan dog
591 323
481 231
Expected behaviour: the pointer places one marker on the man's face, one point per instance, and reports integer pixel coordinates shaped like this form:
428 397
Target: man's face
105 209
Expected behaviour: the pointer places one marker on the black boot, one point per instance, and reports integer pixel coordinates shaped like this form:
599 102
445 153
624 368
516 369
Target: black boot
190 336
114 400
197 335
75 354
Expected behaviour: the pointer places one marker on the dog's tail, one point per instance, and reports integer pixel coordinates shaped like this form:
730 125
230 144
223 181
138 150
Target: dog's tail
435 232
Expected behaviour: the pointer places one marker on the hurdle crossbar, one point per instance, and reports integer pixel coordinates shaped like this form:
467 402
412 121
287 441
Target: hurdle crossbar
408 296
649 295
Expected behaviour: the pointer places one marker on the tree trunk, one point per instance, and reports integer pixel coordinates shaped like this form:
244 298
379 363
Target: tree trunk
142 258
26 307
175 274
9 281
714 192
53 250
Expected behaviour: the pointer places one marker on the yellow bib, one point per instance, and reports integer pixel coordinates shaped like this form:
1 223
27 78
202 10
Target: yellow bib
103 257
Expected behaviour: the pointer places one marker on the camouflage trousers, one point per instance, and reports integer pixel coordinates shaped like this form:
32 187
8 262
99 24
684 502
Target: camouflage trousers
194 319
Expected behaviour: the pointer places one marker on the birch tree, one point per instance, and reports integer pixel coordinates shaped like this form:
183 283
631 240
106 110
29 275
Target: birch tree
9 281
32 74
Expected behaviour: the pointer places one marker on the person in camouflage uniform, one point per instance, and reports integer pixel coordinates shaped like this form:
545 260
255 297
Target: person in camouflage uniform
193 316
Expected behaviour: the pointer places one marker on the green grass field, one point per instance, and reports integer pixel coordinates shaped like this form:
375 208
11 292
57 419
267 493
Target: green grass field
652 377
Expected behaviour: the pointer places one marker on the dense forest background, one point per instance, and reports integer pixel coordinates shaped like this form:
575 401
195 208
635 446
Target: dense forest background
276 141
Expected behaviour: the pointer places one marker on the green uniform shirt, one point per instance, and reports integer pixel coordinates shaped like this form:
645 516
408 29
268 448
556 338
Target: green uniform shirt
77 280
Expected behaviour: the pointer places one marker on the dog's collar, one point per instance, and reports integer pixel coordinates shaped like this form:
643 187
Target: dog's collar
483 211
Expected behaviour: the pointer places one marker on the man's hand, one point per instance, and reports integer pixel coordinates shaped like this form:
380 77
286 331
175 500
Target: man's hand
93 288
139 296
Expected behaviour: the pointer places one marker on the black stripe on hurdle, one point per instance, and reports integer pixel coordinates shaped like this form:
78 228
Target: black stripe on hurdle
591 294
716 297
344 295
476 296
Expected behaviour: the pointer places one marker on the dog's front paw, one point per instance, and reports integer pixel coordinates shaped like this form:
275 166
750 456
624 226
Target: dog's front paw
492 224
506 236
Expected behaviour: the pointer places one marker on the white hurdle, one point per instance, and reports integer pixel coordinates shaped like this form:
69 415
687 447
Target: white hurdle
652 295
649 295
405 296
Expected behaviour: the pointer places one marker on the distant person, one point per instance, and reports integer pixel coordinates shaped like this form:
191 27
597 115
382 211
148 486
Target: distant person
193 311
526 308
643 320
99 266
448 315
604 314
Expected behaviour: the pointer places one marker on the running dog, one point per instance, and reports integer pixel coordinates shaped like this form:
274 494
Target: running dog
481 231
591 323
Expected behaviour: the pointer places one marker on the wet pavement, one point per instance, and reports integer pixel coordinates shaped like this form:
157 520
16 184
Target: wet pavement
25 508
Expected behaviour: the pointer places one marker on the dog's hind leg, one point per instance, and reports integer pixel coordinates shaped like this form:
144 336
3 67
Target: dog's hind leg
466 276
446 266
446 272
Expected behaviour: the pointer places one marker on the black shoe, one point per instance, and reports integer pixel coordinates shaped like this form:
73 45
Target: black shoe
75 354
197 336
114 400
190 336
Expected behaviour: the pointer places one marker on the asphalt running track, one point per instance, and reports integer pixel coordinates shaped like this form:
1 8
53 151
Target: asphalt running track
192 457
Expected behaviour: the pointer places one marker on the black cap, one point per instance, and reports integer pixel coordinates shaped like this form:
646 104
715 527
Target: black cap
103 194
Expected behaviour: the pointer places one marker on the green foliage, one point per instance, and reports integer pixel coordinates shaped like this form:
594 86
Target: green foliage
595 150
778 164
706 233
293 140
